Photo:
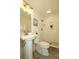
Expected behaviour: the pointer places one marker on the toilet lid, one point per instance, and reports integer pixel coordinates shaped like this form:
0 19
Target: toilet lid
43 43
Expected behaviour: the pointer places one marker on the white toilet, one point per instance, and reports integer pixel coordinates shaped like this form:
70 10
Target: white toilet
42 47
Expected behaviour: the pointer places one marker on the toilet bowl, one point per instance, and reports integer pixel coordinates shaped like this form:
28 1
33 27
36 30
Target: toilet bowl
42 48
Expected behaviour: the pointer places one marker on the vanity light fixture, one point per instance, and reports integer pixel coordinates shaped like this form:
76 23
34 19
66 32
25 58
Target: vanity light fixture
26 7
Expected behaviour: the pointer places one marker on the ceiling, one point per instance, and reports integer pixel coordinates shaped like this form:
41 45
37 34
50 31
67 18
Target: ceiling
41 6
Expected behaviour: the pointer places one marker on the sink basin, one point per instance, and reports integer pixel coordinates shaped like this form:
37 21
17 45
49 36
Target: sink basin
29 37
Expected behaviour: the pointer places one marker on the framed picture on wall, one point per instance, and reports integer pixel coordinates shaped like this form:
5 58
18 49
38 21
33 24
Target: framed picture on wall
35 22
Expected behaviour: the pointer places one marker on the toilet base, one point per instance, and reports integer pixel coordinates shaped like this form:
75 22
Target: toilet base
45 52
42 51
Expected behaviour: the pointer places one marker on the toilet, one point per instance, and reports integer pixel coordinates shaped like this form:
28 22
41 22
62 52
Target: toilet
41 47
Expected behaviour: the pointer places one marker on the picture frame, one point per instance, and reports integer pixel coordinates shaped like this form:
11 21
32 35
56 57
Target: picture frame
35 22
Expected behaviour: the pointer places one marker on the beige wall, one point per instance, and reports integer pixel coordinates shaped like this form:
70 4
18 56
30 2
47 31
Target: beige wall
48 33
37 28
25 21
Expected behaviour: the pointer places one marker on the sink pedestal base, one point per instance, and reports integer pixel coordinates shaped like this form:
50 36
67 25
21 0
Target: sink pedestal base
28 49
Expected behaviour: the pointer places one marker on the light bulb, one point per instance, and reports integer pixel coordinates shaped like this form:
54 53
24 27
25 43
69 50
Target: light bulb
48 11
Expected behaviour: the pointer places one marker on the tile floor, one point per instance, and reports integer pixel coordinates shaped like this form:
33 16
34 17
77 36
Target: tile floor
53 54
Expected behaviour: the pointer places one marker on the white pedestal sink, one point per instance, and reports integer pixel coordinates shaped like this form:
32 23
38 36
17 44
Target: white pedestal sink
29 38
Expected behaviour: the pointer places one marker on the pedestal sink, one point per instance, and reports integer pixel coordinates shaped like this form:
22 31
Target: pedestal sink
29 38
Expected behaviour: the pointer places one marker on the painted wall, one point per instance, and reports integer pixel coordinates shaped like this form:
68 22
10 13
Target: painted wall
51 34
47 34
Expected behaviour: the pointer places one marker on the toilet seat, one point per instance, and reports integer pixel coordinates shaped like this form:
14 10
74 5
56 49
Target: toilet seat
44 44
